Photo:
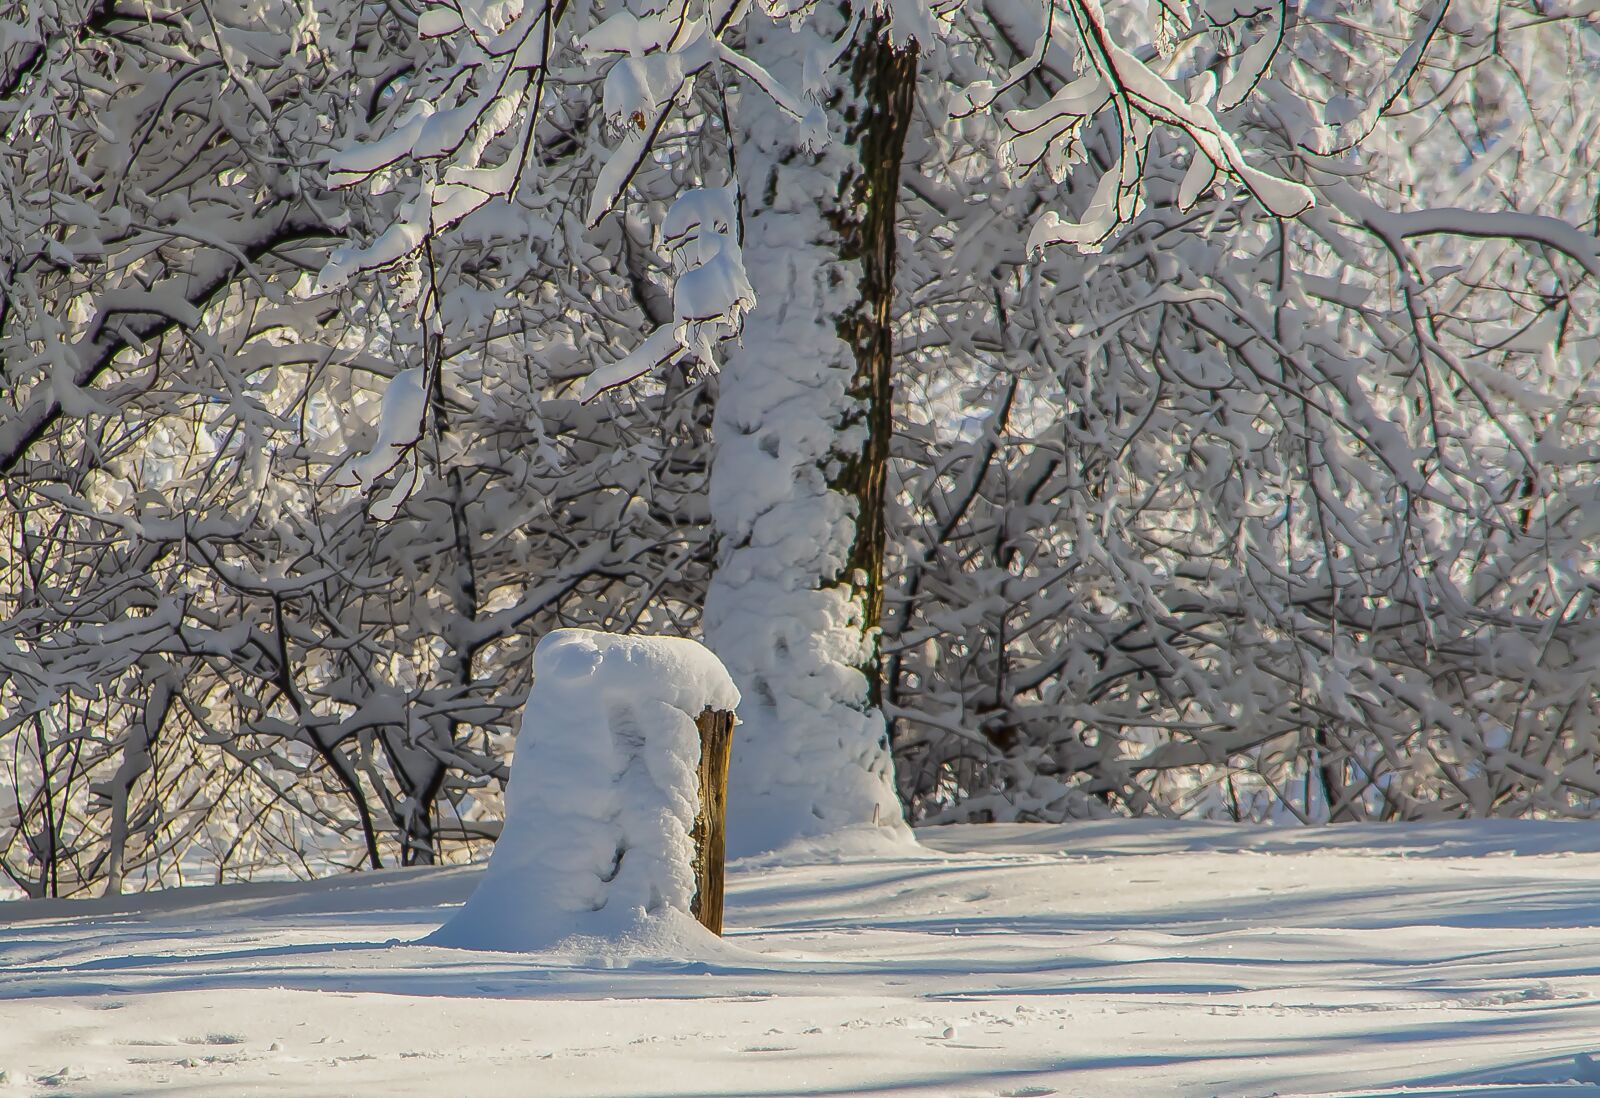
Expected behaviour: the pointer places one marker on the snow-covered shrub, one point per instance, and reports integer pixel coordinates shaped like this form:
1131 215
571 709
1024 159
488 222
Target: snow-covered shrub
1258 518
601 806
257 616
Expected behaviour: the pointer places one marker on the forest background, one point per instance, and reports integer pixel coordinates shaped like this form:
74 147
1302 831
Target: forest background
1158 409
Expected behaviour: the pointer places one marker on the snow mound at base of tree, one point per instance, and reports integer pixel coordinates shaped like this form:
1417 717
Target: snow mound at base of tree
602 800
861 842
666 941
646 940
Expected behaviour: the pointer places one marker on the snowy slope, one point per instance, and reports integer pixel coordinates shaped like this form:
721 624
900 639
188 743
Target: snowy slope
1121 958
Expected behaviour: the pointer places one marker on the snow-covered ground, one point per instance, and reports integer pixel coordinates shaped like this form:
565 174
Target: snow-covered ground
1122 958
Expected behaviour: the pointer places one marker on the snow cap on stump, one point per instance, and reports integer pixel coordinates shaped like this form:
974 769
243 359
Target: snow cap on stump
602 798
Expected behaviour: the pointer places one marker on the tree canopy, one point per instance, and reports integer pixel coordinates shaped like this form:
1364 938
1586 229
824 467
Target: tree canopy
1044 409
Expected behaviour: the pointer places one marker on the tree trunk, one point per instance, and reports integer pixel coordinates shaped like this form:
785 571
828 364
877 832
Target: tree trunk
802 438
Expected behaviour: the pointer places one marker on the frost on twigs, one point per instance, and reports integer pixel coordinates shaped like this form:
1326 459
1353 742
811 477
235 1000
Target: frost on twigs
1117 83
601 806
399 426
710 297
461 144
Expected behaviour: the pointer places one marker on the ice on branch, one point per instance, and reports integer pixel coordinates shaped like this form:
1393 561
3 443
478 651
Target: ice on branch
640 84
405 402
354 164
602 800
661 346
1048 136
712 294
1253 66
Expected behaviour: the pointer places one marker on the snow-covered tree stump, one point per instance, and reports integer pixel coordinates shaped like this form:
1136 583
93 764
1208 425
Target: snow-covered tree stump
615 808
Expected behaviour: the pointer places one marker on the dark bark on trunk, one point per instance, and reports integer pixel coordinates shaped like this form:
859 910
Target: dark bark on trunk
883 78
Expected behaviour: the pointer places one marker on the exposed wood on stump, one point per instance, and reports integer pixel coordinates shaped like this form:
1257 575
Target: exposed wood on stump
710 823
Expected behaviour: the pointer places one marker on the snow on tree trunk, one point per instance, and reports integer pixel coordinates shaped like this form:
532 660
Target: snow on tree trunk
601 806
802 431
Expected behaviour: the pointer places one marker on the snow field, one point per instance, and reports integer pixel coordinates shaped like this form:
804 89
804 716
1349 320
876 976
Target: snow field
1121 958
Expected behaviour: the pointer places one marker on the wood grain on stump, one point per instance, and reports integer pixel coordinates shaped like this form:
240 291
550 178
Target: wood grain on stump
710 824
